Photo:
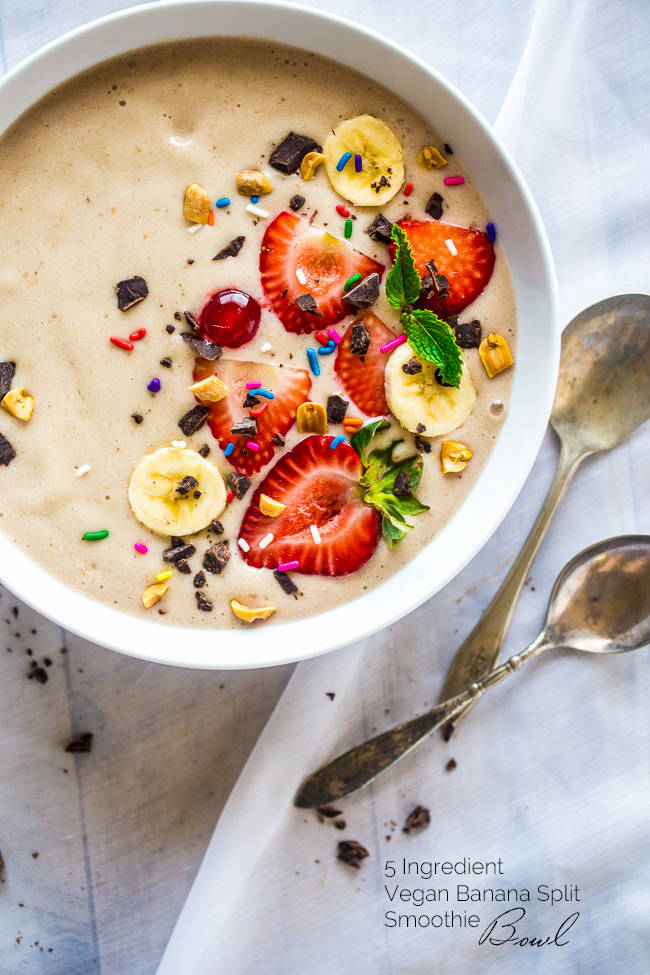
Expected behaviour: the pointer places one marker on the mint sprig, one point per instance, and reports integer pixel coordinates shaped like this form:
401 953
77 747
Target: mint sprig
430 336
378 481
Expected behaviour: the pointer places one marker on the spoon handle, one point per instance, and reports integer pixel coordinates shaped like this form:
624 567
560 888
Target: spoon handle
480 650
363 763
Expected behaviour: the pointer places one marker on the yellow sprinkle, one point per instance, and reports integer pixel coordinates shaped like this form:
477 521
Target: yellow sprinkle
270 507
165 574
153 594
209 390
19 403
249 615
196 203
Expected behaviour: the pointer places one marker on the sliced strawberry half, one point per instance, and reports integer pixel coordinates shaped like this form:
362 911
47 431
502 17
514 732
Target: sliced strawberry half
320 487
363 375
467 271
290 387
323 262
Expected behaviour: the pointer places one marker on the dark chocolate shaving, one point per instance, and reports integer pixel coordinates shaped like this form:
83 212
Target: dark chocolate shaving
183 566
216 558
230 250
412 367
419 818
364 294
202 603
250 400
285 582
7 373
468 334
278 440
202 347
216 527
137 418
380 229
204 450
179 552
359 339
434 206
337 407
7 452
80 744
351 852
424 446
191 321
307 303
194 419
199 580
187 484
297 202
439 282
238 484
166 362
402 485
130 292
290 153
246 427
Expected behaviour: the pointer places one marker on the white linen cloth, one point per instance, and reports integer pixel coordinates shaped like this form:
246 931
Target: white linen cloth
552 771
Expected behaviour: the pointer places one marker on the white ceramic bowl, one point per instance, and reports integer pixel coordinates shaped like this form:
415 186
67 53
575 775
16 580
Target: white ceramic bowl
521 234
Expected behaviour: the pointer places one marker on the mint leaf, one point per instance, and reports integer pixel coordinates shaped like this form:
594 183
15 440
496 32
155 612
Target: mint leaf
402 281
432 339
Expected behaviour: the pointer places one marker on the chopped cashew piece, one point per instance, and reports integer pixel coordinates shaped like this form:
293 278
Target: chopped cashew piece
196 203
311 418
270 507
495 354
249 615
153 594
253 182
454 456
19 403
310 164
431 158
209 390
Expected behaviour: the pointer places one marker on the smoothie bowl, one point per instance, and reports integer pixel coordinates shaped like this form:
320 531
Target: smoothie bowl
279 340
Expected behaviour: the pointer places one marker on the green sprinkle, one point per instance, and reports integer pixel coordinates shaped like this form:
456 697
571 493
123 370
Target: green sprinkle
348 228
350 281
95 536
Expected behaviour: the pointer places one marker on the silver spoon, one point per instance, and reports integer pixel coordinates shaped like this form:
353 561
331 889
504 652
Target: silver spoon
603 395
600 603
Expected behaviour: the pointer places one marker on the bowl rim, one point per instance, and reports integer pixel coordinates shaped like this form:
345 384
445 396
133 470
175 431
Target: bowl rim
358 619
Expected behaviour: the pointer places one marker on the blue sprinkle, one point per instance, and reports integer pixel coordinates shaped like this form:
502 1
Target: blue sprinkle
223 202
154 386
313 362
491 232
358 163
229 449
263 392
255 199
327 349
343 161
336 441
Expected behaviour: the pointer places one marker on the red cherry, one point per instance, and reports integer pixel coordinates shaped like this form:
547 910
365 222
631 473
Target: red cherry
230 317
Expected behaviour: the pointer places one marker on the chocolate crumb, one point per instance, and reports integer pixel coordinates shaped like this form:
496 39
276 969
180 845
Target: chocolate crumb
424 446
287 156
183 566
170 329
420 817
434 206
199 580
340 824
202 347
330 694
216 558
82 743
3 870
285 582
297 202
194 419
359 339
137 418
216 527
329 812
451 765
37 673
420 428
247 427
230 250
238 484
447 731
7 373
380 183
204 450
351 852
439 283
307 303
131 292
412 367
184 550
380 229
402 485
336 408
364 294
166 362
278 440
202 603
191 321
7 452
448 149
177 316
468 334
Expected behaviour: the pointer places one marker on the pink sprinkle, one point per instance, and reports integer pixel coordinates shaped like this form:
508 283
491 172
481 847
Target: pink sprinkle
253 385
288 566
454 180
139 547
334 335
393 344
252 445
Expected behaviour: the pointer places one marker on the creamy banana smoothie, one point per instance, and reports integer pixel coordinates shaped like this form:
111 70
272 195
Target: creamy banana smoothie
258 333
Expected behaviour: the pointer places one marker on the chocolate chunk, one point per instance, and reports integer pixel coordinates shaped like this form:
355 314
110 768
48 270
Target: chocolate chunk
83 743
412 367
202 603
364 294
329 812
247 427
380 229
7 452
402 485
424 446
179 552
290 153
194 419
176 540
202 347
297 202
216 558
130 292
137 418
204 450
434 206
286 584
166 362
170 329
307 303
216 527
439 282
199 580
420 428
451 765
250 400
426 286
191 321
419 817
351 852
7 373
337 407
238 484
187 484
183 566
278 440
230 250
360 339
468 334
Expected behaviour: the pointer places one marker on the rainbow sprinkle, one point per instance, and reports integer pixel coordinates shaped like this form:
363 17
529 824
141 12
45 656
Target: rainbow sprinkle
164 575
358 163
255 199
141 548
252 445
352 281
491 231
243 544
154 385
223 202
95 536
334 335
313 362
327 349
253 385
347 231
264 392
389 346
267 540
408 189
336 441
343 211
229 449
288 566
343 161
454 180
315 534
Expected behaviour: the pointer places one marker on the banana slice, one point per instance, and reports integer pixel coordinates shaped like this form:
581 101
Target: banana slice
382 168
418 399
175 491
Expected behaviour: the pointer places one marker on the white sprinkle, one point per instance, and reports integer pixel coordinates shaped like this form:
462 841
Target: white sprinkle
267 540
80 471
256 211
194 229
315 534
451 247
243 544
180 444
300 274
266 347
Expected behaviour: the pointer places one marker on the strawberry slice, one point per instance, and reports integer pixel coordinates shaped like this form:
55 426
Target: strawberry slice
293 246
320 487
363 375
291 388
467 272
